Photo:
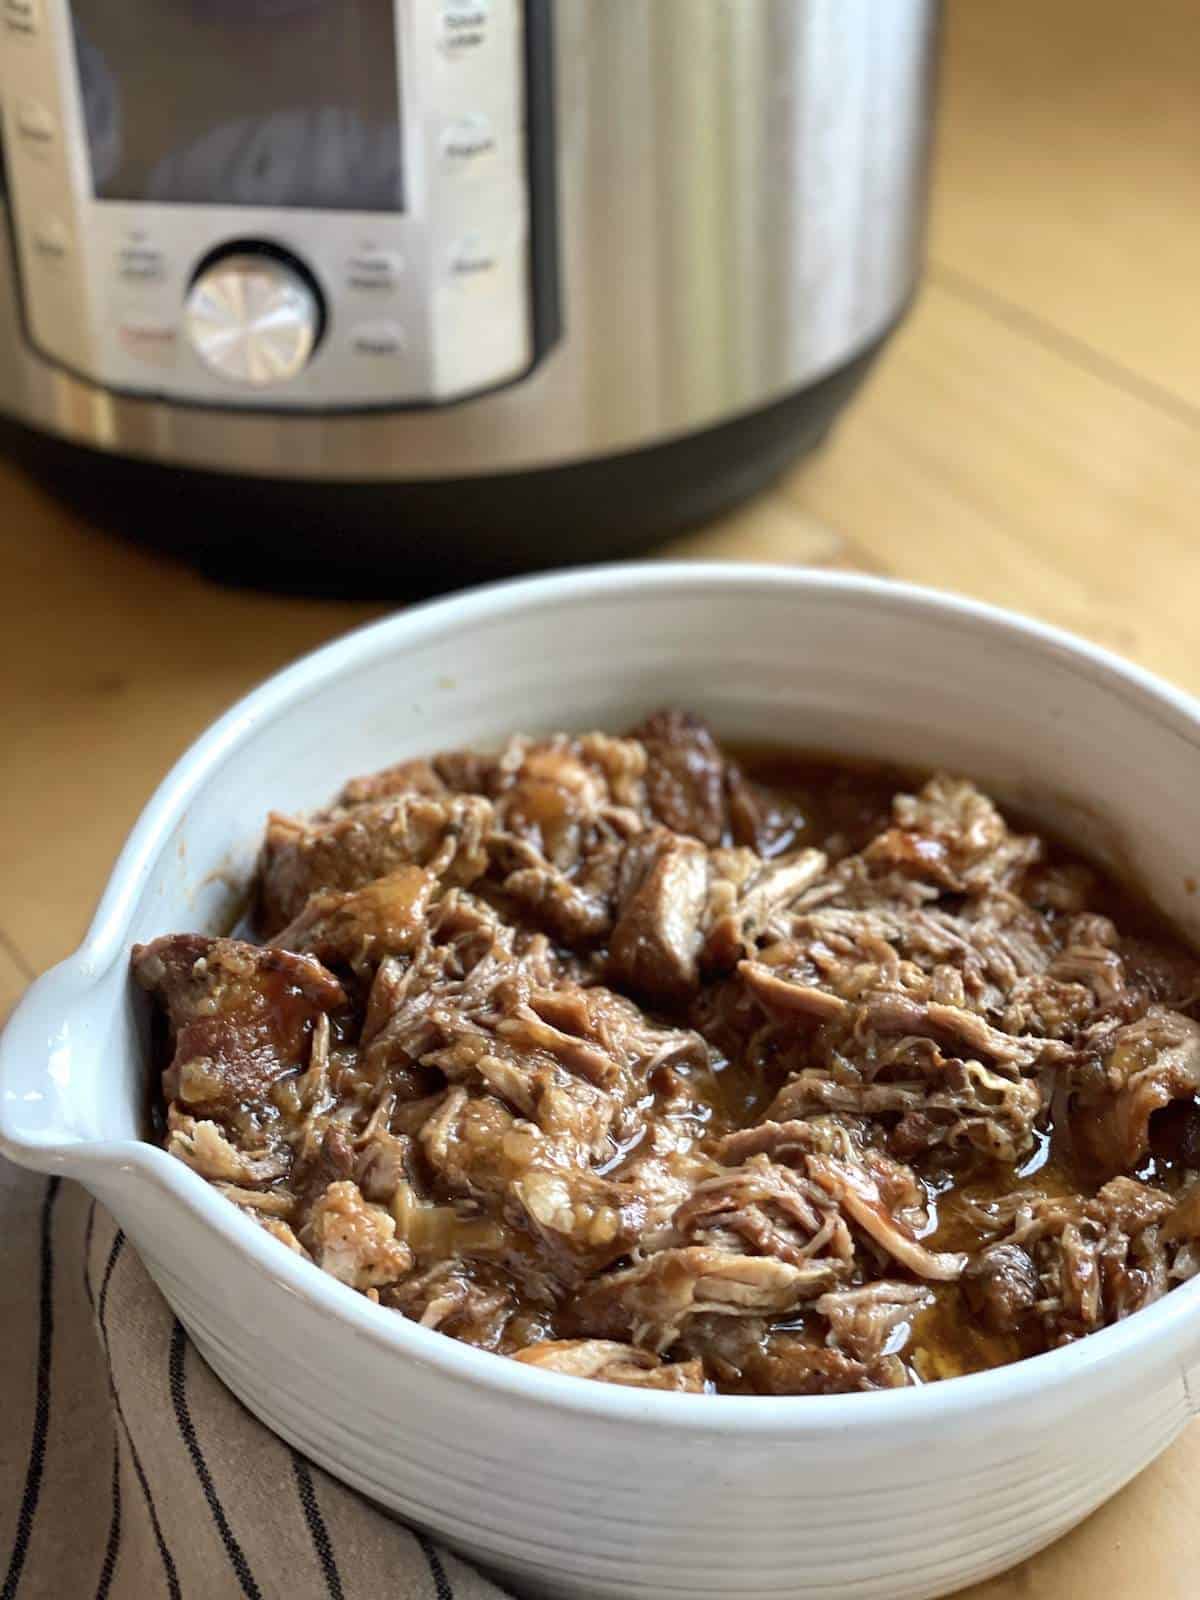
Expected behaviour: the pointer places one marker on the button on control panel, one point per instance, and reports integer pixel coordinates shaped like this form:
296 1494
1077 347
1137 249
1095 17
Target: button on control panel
468 143
378 340
375 271
36 127
472 261
150 341
51 239
141 263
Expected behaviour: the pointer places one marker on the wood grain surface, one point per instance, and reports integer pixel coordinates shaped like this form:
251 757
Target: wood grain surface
1031 437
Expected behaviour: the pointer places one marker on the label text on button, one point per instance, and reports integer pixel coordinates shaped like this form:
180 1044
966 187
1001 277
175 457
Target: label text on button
374 270
142 264
22 18
465 141
153 342
464 26
378 339
35 124
50 241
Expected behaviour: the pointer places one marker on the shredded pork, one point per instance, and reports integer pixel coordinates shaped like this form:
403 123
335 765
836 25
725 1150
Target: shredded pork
602 1054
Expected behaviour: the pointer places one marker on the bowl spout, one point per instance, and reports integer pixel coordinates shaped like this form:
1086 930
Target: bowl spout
54 1107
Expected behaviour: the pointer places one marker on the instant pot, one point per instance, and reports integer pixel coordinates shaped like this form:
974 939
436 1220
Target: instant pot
332 290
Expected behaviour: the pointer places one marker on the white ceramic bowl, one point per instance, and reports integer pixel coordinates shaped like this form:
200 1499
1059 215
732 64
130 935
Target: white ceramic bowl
570 1488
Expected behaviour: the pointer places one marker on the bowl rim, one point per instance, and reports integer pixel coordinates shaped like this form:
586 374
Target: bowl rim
1162 1326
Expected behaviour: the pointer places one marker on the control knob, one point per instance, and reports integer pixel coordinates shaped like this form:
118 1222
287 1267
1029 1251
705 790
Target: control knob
254 315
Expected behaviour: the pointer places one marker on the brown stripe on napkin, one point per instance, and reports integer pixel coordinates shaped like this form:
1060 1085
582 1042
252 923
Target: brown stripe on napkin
319 1532
36 1334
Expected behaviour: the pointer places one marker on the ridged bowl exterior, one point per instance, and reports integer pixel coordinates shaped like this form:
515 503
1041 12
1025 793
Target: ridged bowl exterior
566 1488
890 1515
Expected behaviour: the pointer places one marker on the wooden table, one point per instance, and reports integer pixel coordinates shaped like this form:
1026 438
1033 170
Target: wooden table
1032 437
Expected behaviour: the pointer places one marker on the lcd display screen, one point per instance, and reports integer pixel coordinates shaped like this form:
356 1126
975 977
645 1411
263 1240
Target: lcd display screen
242 102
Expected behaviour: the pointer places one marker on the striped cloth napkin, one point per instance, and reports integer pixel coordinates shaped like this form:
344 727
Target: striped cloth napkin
129 1471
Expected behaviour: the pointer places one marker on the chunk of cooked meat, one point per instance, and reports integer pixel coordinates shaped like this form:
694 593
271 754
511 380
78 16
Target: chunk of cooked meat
782 993
790 1142
350 849
769 1210
239 1016
1124 1077
873 1321
921 1100
358 928
856 1189
476 1148
583 1221
353 1240
795 1363
1160 975
662 887
904 1013
685 776
611 1362
574 1061
325 1155
474 1301
680 907
280 1231
747 900
1002 1287
952 837
551 790
602 1054
956 1031
565 809
205 1147
651 1301
1094 1261
693 788
1090 958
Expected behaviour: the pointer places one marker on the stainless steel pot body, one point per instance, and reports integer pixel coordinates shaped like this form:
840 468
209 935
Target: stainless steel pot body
740 206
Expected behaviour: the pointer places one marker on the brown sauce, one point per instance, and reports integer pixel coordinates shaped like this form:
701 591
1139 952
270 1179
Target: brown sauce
837 804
